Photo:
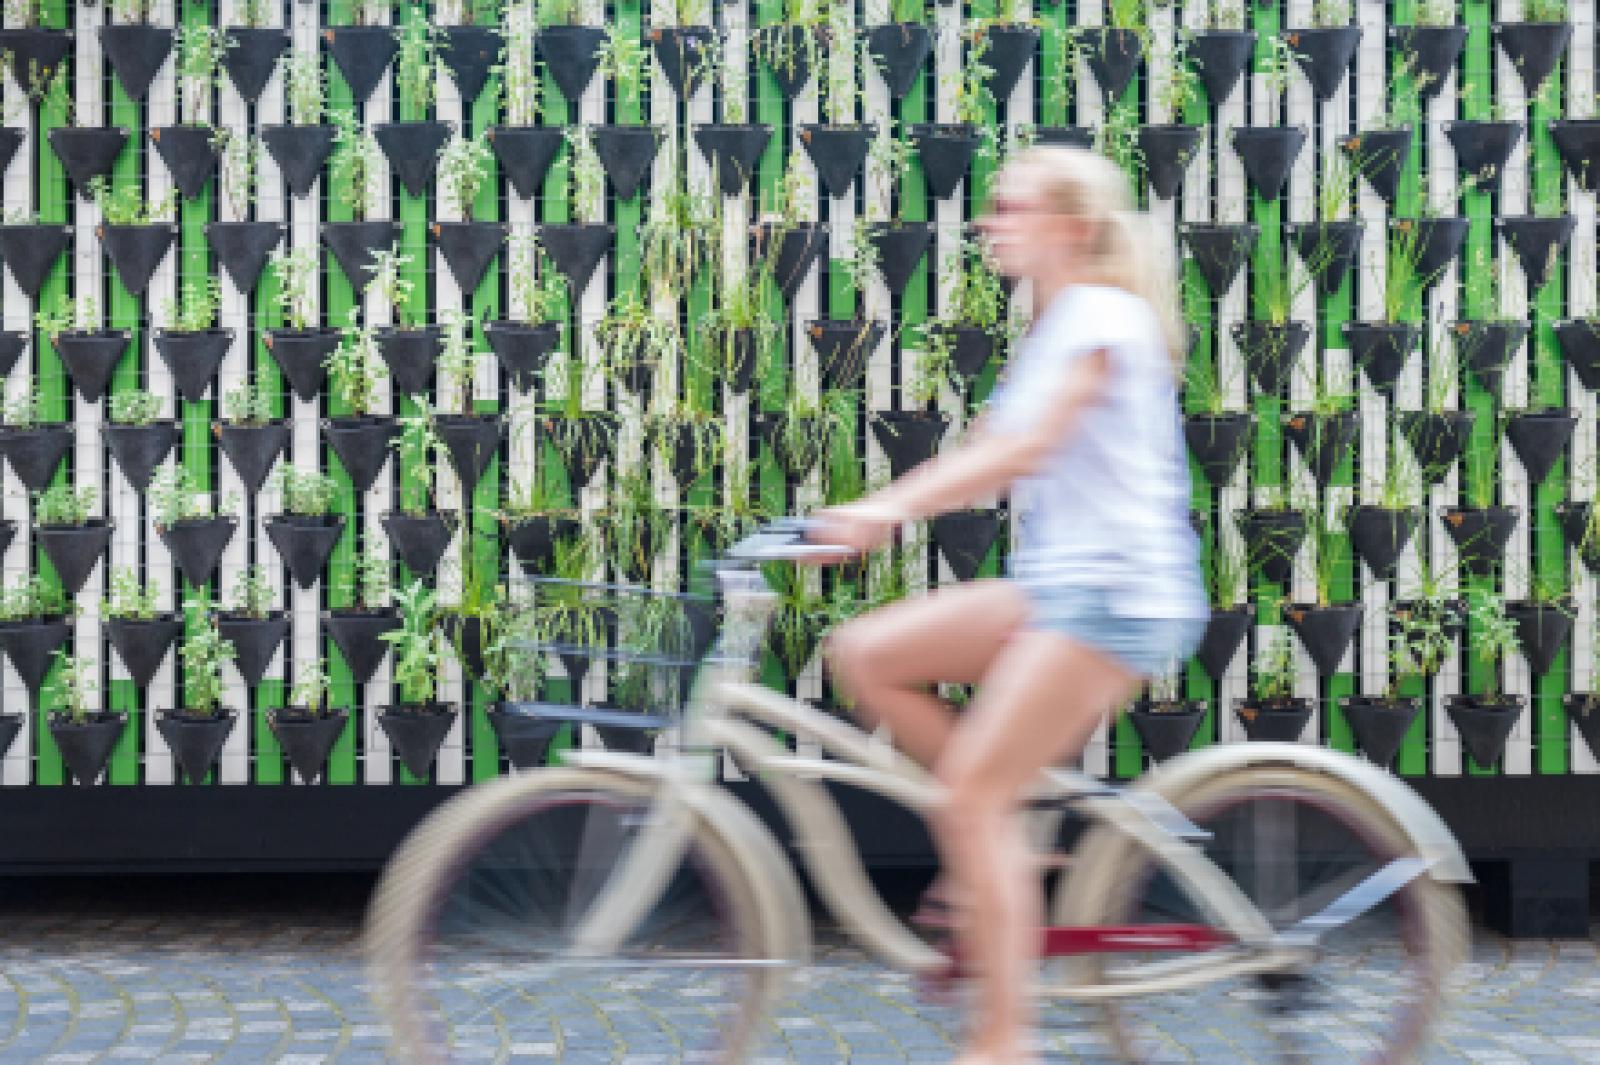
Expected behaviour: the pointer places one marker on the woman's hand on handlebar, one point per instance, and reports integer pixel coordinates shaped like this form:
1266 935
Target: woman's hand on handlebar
859 527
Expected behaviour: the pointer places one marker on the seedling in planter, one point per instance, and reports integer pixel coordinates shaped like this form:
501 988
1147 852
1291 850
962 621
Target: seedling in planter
133 10
1330 14
131 599
1225 15
678 237
560 13
305 85
622 60
740 310
392 288
456 363
844 90
200 51
29 598
539 293
62 504
202 299
1276 67
416 81
519 81
420 449
369 12
135 408
126 206
463 168
306 492
1272 674
1336 189
1403 283
510 673
588 178
632 335
861 266
250 401
418 645
203 652
1494 634
368 581
252 594
735 81
1229 576
71 686
705 432
22 411
297 271
354 370
310 691
1434 12
357 162
977 296
175 495
1482 475
1118 139
1419 644
1181 87
241 169
252 14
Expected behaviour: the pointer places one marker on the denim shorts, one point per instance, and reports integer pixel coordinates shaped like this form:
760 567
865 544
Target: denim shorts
1149 646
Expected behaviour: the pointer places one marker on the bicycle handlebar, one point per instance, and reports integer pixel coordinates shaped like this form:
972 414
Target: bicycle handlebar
785 540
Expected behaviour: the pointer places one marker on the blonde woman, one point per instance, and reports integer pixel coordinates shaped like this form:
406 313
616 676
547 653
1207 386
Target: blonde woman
1104 587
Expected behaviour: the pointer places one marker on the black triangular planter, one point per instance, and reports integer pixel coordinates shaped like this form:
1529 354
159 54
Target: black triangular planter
838 152
1539 438
966 537
525 153
797 247
843 347
30 645
1583 710
32 252
470 54
679 50
35 53
139 449
413 151
1381 350
87 152
1271 350
136 251
908 437
1272 538
524 737
410 355
197 545
255 641
302 354
304 543
8 532
1484 725
1217 442
1168 731
1220 56
13 342
1440 240
1220 250
1113 56
1573 517
36 453
1486 347
1542 630
1065 136
10 725
1437 438
419 540
732 152
570 54
1007 56
793 69
1324 440
363 55
468 248
1327 248
142 644
901 50
901 246
300 152
307 740
10 141
1274 720
1168 150
1534 48
1267 153
86 747
626 153
1580 343
243 247
522 348
1378 155
1537 240
739 354
1578 142
533 538
1325 631
946 152
589 444
252 57
136 52
417 736
576 249
362 445
356 632
1433 51
196 741
353 243
193 358
1482 148
971 348
189 154
464 634
1480 535
1379 534
1324 53
470 440
90 358
1379 725
74 549
1225 632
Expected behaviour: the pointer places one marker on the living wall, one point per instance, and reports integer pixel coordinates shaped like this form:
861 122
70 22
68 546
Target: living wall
326 323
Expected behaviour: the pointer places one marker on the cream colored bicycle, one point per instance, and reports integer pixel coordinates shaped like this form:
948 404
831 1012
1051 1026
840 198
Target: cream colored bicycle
623 900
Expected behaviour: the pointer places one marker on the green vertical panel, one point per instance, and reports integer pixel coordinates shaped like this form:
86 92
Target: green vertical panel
1335 311
1267 465
269 694
1197 311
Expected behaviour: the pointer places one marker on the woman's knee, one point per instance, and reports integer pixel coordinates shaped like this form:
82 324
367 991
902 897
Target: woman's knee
974 801
848 651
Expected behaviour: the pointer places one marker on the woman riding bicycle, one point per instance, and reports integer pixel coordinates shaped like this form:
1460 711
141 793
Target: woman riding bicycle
1105 589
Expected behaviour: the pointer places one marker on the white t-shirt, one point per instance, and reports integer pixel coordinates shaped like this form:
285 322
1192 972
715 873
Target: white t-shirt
1109 508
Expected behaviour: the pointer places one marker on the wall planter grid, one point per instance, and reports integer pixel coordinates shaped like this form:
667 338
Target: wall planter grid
828 167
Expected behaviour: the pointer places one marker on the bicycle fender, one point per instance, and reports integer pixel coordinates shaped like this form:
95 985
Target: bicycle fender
1429 834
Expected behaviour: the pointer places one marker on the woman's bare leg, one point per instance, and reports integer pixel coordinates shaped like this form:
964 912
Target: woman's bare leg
1038 704
885 660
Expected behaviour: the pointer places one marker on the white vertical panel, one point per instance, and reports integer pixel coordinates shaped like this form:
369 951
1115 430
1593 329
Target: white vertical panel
16 762
1579 103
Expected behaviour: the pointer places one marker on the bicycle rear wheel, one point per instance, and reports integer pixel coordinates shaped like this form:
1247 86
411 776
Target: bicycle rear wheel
1291 841
470 936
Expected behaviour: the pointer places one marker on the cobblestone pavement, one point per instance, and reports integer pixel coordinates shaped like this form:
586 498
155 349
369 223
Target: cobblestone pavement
264 970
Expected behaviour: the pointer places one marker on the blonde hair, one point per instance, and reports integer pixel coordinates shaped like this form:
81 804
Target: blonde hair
1125 253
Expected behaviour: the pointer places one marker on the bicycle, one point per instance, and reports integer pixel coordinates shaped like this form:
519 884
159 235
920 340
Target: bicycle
625 891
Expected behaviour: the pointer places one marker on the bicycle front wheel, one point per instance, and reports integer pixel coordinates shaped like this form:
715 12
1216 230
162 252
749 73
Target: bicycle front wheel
1291 841
473 934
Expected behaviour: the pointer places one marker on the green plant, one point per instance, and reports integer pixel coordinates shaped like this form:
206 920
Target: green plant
252 594
1335 192
1419 643
519 84
510 673
735 80
588 178
1494 635
354 370
418 645
71 686
1544 10
559 13
125 205
463 169
176 495
135 408
31 597
1330 556
861 266
307 493
1272 674
1118 139
740 309
1330 13
368 581
1127 15
806 425
1442 366
392 287
976 295
637 526
131 599
357 162
908 11
678 235
704 430
240 156
1181 87
792 198
66 316
369 12
968 86
1403 282
311 689
200 50
203 651
844 89
1203 390
197 312
622 61
62 504
298 272
1225 15
305 86
133 10
251 13
1433 12
1482 466
456 363
22 411
416 79
539 291
1400 473
633 335
1275 65
419 448
250 401
1226 571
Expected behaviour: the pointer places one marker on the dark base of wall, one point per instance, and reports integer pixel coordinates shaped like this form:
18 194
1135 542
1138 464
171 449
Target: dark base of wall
1530 848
